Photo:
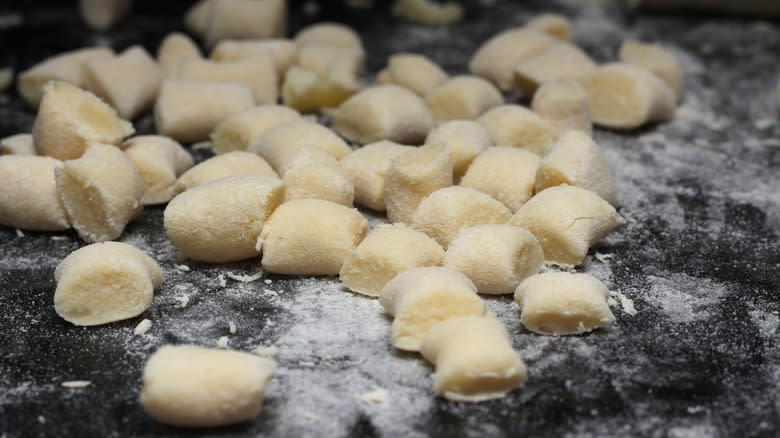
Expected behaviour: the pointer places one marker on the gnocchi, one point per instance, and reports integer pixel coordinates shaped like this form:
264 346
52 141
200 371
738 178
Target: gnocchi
413 71
505 173
19 144
554 25
236 132
258 73
236 163
29 200
465 139
517 126
556 62
159 160
367 167
278 144
245 19
563 103
318 181
332 34
283 52
414 175
175 50
660 61
497 57
462 97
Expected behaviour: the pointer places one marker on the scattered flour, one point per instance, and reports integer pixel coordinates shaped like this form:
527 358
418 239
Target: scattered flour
143 327
245 278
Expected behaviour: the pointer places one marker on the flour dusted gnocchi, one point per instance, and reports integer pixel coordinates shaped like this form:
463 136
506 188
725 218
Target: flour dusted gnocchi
283 52
563 103
102 14
29 199
310 237
505 173
413 71
497 57
660 61
306 155
197 17
175 50
562 303
567 221
278 144
414 175
202 387
220 221
331 34
465 140
517 126
387 251
462 97
554 25
245 19
236 163
323 58
556 62
105 282
19 144
419 298
319 181
257 73
428 12
367 167
236 132
159 160
307 90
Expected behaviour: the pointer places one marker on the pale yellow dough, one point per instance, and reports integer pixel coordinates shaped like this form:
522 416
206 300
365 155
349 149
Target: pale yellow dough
497 57
332 34
245 19
306 155
19 144
662 62
159 160
238 131
29 199
414 175
280 143
318 181
257 73
465 139
517 126
367 168
236 163
413 71
283 52
505 173
558 61
175 50
554 25
462 97
102 14
563 103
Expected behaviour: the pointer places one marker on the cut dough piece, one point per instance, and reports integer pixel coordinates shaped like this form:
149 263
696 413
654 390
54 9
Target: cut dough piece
306 155
245 19
202 387
236 163
497 57
258 73
474 359
505 173
19 144
414 175
625 96
465 140
562 303
556 62
387 251
443 213
567 221
462 97
307 90
324 59
101 192
105 282
332 34
496 258
318 181
563 103
419 298
159 160
413 71
237 132
197 16
220 221
428 12
310 237
577 160
283 52
517 126
554 25
70 119
29 199
367 167
175 50
102 14
385 112
278 144
660 61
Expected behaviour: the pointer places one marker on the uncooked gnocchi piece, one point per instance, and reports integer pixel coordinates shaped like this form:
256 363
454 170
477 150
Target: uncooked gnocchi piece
278 144
387 251
385 112
310 237
29 199
443 213
188 111
474 359
101 192
413 71
462 97
175 50
70 119
323 58
197 16
257 73
332 34
237 132
245 19
105 282
497 57
517 126
307 90
367 167
556 62
306 155
465 140
318 181
283 52
495 257
428 12
505 173
159 160
236 163
414 175
554 25
191 386
102 14
564 104
660 61
577 160
220 221
562 303
419 298
567 220
626 96
19 144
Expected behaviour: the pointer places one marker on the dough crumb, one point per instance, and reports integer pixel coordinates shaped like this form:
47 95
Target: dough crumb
182 268
268 281
268 352
76 384
183 300
222 280
232 327
377 396
19 233
627 304
245 278
142 327
59 238
222 342
201 145
603 258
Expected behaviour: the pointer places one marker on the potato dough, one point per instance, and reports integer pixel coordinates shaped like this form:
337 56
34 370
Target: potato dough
307 90
556 62
159 160
283 52
105 282
19 144
419 298
660 61
367 167
324 59
563 103
567 221
474 359
236 163
245 19
318 181
259 74
505 173
462 97
202 387
332 34
220 221
495 257
562 303
306 155
497 57
197 17
102 14
465 140
387 251
236 132
517 126
175 50
554 25
414 175
29 199
413 71
310 237
278 144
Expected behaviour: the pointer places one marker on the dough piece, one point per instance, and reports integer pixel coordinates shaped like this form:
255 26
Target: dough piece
517 126
562 303
323 58
385 112
419 298
220 221
414 175
413 71
367 167
278 144
577 160
505 173
332 34
29 199
202 387
465 140
159 160
236 132
102 14
306 155
443 213
310 237
307 90
69 119
660 61
474 359
495 257
236 163
625 96
556 62
462 97
245 19
387 251
101 192
318 181
67 67
554 25
105 282
567 221
497 57
283 52
428 12
563 103
175 50
188 111
197 17
19 144
259 74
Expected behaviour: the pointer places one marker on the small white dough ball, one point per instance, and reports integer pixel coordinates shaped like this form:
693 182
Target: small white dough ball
505 173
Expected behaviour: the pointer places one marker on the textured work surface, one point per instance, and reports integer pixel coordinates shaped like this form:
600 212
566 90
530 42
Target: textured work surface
699 256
